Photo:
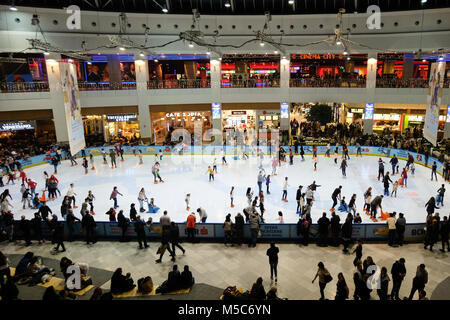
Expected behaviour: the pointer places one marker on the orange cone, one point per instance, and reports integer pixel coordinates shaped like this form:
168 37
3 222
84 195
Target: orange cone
42 199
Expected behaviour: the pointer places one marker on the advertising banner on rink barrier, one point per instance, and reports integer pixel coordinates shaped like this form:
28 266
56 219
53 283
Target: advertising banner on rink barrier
440 165
434 97
403 155
72 107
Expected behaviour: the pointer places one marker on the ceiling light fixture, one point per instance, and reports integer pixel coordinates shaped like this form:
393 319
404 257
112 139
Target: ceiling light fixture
276 52
156 60
122 49
339 42
227 4
345 53
191 45
46 53
164 9
261 43
13 8
142 54
291 2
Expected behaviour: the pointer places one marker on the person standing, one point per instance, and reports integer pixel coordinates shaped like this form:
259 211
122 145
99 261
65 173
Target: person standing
384 284
239 228
285 188
324 278
347 230
444 234
112 156
394 162
358 252
323 223
386 181
272 253
392 228
123 224
25 227
227 228
141 198
344 167
260 180
139 228
342 290
441 192
89 226
164 221
419 281
175 238
58 237
380 169
400 226
71 194
70 222
398 272
36 226
433 171
254 228
335 222
190 227
335 196
298 198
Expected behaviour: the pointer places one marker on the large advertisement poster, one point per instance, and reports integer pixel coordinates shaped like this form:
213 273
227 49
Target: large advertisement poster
72 107
435 86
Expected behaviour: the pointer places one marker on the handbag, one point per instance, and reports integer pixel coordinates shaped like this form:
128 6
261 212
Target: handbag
162 249
259 234
328 278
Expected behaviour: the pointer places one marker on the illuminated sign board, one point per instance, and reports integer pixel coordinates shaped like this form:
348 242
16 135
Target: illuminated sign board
19 125
121 117
216 110
448 114
284 107
184 114
316 56
238 113
357 110
369 111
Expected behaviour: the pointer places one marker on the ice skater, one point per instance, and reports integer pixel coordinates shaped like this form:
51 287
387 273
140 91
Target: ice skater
327 152
316 160
91 199
140 157
249 195
26 198
215 165
433 171
160 155
352 205
267 183
152 208
335 155
71 194
232 197
440 196
85 165
23 176
155 172
260 180
121 152
224 161
32 186
314 148
91 160
345 151
73 162
344 167
343 207
302 152
141 198
112 155
380 168
412 168
187 200
386 181
291 156
394 189
211 173
404 178
104 156
358 150
261 159
335 196
285 189
394 162
113 196
274 166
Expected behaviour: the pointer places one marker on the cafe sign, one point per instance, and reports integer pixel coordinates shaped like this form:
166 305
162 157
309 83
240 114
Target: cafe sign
15 126
184 114
121 117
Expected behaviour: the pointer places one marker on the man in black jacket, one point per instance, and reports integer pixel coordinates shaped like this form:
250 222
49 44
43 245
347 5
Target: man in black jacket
335 228
335 195
298 197
175 238
123 224
25 227
139 228
323 223
444 234
165 246
36 225
58 237
44 211
398 273
89 226
239 228
70 221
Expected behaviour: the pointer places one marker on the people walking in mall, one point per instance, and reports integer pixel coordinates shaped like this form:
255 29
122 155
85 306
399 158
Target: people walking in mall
324 278
398 272
272 253
139 228
89 225
444 234
419 281
175 238
342 290
165 237
384 284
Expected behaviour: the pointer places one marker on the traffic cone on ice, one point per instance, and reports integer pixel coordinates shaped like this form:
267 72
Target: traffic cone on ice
93 168
42 199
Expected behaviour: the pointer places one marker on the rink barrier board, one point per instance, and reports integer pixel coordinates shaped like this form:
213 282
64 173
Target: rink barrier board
214 232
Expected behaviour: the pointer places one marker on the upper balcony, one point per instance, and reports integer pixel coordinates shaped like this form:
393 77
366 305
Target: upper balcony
21 87
178 84
328 83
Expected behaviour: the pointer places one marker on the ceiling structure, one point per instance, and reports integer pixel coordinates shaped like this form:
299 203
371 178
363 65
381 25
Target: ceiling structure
241 7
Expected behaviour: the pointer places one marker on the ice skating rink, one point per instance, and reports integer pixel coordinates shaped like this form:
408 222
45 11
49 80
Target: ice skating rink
187 174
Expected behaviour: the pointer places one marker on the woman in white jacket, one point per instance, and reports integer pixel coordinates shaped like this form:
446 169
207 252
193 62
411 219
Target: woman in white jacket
141 198
367 199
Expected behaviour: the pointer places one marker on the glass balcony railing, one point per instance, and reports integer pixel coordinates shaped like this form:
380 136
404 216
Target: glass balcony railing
92 86
250 83
402 83
327 83
178 84
13 87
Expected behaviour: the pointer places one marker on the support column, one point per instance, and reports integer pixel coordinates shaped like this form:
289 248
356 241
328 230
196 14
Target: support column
371 83
408 65
447 124
284 72
56 97
115 76
142 77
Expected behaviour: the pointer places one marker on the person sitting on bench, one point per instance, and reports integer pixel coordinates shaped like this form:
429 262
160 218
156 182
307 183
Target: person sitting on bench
186 279
121 283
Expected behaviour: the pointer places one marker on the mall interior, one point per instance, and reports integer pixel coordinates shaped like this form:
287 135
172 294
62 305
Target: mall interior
141 69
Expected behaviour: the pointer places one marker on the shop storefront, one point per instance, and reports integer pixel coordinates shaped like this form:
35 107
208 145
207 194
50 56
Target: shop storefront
238 119
105 124
166 119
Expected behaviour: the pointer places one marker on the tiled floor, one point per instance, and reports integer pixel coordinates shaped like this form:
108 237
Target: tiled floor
221 266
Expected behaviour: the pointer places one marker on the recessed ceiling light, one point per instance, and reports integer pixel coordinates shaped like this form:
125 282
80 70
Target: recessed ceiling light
261 43
191 45
122 49
276 52
291 2
46 53
423 1
424 60
339 42
141 54
156 60
164 9
13 8
227 4
345 53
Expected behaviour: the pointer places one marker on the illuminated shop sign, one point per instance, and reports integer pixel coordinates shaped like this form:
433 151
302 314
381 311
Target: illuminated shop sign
216 110
317 56
238 113
184 114
284 107
369 111
357 110
14 126
448 114
121 117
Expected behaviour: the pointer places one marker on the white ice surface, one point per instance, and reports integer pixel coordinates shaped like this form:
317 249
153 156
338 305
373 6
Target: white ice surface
191 177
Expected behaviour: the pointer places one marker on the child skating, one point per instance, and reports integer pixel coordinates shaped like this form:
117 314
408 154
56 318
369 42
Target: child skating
155 172
91 160
232 197
85 165
285 188
224 161
140 157
187 200
104 156
315 160
274 166
335 155
249 195
91 199
215 165
394 189
211 173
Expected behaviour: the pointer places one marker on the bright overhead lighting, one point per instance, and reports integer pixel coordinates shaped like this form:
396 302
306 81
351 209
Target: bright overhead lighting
164 9
122 49
424 1
46 53
227 4
291 2
156 60
441 58
191 45
424 60
89 62
339 42
261 43
141 54
345 53
13 8
208 53
348 58
276 52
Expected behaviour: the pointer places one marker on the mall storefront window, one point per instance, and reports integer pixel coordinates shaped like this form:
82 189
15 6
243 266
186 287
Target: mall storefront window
179 71
250 71
166 120
328 70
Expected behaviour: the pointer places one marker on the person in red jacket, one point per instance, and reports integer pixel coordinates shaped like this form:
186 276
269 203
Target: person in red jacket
32 186
23 175
190 226
404 177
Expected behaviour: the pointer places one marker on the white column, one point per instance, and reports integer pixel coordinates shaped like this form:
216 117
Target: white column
447 124
284 72
56 96
145 125
216 78
371 83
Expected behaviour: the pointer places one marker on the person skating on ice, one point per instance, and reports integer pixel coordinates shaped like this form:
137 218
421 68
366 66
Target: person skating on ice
343 207
140 157
121 152
386 181
232 197
260 180
394 162
314 149
155 172
71 194
316 160
91 198
327 153
298 198
113 196
112 155
394 188
215 165
291 156
249 195
335 196
302 152
141 198
91 160
440 197
344 167
285 189
335 155
376 202
274 166
433 171
85 165
210 171
358 150
268 183
404 178
104 156
160 155
222 155
73 162
380 168
413 168
187 200
352 205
